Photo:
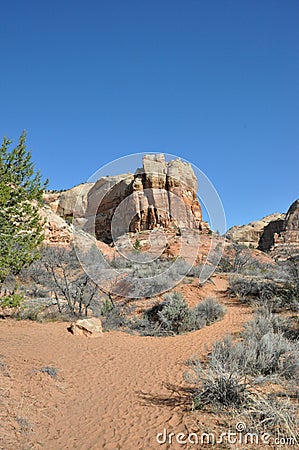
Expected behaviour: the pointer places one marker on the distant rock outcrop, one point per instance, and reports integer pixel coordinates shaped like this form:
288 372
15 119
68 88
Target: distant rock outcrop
286 241
277 233
267 239
251 234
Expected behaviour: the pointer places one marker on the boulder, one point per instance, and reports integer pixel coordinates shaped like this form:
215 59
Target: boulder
87 327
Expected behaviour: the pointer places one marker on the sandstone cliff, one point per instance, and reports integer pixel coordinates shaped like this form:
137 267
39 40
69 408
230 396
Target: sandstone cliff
159 194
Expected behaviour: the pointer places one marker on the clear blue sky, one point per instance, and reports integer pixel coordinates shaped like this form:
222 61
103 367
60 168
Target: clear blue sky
216 82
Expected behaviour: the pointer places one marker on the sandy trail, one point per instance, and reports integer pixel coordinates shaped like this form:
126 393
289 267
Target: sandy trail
113 392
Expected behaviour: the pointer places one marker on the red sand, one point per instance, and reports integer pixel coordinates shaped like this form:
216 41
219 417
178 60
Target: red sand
114 392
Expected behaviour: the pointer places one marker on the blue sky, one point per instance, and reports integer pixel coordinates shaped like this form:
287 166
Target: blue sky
215 82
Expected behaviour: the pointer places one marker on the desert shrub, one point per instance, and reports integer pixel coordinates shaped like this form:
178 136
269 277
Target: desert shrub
250 289
171 316
106 307
59 271
209 310
274 285
153 268
274 354
222 382
145 327
242 287
264 350
225 265
268 351
195 271
183 268
237 262
38 292
175 316
230 356
217 385
152 314
233 369
28 313
261 324
43 310
115 318
289 296
268 413
12 301
290 328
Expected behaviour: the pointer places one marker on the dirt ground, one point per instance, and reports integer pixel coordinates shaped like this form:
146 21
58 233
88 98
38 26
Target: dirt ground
117 391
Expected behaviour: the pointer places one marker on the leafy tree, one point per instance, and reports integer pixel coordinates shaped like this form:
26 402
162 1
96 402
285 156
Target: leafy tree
21 190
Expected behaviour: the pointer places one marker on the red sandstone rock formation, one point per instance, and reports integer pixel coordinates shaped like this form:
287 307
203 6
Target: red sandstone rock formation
159 194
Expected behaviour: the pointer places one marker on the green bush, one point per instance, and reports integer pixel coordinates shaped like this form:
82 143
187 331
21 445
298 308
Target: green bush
137 244
106 307
12 301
